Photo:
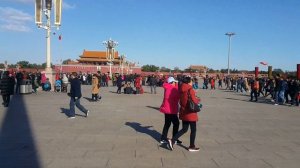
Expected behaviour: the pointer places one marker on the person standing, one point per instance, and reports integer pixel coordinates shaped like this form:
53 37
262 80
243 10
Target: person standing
75 94
189 119
119 83
95 87
35 84
7 84
212 84
220 83
153 83
65 82
19 77
137 84
169 108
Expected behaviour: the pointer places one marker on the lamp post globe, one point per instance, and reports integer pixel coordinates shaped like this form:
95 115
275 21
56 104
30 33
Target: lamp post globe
229 34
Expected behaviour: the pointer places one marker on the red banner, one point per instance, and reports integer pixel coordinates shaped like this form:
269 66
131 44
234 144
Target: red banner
298 71
256 72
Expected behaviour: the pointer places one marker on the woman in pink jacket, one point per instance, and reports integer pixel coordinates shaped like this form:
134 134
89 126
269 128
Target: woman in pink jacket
170 108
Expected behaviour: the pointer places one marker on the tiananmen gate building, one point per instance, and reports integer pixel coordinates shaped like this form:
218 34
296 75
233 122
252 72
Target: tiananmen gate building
93 61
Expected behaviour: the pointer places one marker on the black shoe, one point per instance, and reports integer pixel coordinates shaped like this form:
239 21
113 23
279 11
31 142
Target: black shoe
163 141
177 142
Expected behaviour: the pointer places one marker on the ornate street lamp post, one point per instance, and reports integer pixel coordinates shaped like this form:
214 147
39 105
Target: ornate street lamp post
110 53
122 60
229 34
39 10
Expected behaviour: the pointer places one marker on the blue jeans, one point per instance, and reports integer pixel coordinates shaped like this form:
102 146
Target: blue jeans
276 97
281 96
76 102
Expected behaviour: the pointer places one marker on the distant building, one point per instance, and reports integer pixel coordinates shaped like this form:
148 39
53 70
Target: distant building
199 68
93 61
97 58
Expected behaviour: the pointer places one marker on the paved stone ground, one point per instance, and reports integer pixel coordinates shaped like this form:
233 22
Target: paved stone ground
123 131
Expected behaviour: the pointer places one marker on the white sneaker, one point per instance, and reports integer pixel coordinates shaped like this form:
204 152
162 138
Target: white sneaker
170 144
276 104
193 149
71 117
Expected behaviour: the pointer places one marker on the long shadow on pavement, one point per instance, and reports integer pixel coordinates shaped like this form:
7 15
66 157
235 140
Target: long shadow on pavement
155 108
145 130
17 141
67 112
262 101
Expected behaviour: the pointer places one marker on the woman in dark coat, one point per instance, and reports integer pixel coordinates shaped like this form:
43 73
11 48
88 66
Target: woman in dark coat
7 85
119 83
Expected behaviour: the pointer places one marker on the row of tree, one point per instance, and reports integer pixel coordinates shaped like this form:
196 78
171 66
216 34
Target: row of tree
147 68
24 64
153 68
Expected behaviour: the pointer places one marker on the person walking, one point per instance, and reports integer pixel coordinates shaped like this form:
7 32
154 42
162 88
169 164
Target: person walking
7 84
169 108
254 89
75 94
95 87
188 118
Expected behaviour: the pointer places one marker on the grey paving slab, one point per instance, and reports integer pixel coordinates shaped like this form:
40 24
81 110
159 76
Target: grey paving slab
123 131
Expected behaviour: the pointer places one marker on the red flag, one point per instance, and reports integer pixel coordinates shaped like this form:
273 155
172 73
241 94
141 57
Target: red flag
59 37
263 63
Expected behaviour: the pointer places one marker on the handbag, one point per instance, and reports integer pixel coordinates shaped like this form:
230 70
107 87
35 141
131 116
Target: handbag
192 106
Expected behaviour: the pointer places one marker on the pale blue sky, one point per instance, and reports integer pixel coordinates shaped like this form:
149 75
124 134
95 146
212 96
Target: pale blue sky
166 33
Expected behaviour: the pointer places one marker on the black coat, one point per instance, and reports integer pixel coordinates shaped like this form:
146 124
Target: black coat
152 81
75 88
7 85
119 81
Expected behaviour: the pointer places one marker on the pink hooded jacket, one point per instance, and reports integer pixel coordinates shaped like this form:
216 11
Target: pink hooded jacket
171 99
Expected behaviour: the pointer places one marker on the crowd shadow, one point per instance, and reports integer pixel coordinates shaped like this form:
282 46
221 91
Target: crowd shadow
17 142
112 91
260 100
145 130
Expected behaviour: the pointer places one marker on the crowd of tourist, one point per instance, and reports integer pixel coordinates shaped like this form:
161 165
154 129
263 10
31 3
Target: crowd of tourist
281 90
179 91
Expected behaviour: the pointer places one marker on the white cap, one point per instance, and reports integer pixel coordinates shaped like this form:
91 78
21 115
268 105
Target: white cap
171 79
